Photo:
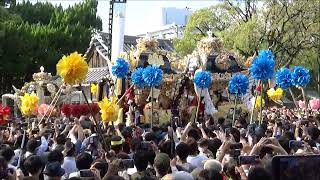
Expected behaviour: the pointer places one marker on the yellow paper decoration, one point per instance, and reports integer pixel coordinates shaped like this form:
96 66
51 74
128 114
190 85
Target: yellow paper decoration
73 68
258 102
109 109
29 103
275 95
93 88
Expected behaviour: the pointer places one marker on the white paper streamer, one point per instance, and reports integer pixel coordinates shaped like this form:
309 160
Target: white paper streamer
209 107
248 97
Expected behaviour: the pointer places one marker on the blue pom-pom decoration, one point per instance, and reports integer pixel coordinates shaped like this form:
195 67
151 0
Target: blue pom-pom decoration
300 76
136 77
239 84
262 67
284 78
202 79
152 75
120 68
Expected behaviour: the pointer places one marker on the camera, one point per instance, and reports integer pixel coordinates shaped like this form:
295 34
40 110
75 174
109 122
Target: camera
236 146
243 160
295 144
227 131
235 150
86 173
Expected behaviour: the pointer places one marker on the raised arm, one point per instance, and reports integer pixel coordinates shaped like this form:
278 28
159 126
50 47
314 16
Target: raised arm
277 148
203 132
80 131
257 147
185 132
223 150
297 129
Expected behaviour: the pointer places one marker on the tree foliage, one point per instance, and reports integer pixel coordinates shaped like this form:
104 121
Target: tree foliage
214 18
290 28
6 3
34 35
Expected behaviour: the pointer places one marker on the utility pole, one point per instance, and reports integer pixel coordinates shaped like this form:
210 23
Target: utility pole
111 11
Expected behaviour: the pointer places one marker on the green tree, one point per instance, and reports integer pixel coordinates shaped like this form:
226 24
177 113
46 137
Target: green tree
290 28
39 13
40 34
214 18
6 3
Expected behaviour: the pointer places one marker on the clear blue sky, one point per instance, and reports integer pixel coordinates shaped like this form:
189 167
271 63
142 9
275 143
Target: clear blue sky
141 15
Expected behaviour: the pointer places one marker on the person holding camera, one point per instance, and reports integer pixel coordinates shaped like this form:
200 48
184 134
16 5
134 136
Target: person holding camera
83 163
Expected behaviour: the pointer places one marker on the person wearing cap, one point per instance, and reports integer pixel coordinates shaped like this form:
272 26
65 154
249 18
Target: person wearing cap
116 144
53 171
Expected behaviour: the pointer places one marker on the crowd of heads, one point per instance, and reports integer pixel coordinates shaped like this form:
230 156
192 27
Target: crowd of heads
217 149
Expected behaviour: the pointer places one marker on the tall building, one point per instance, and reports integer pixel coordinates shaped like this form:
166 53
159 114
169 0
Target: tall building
173 21
172 15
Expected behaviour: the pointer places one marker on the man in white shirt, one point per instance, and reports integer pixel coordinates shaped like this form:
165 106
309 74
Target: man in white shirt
35 147
195 159
69 163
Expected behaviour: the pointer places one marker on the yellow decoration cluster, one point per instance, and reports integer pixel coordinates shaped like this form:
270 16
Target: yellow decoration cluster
258 102
73 68
275 95
109 109
93 88
29 103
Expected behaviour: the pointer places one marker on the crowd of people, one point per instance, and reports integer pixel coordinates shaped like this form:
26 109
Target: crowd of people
217 149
